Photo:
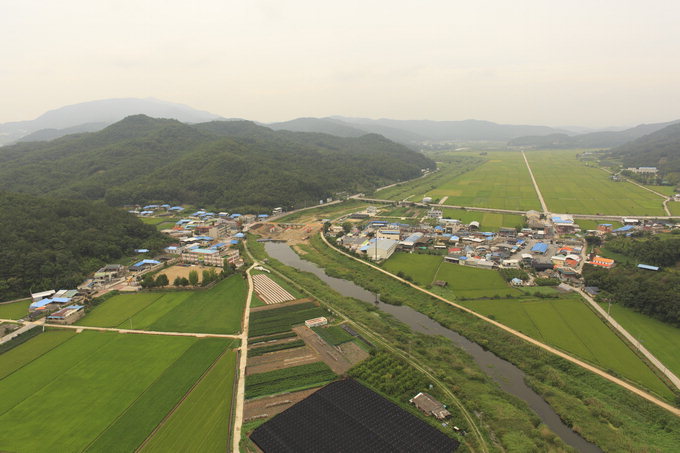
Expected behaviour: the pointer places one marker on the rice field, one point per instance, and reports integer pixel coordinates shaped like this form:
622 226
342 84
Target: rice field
216 310
15 310
502 182
660 338
567 323
96 390
569 186
488 221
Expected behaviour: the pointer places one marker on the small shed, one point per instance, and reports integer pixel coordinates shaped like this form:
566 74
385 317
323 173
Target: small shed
430 406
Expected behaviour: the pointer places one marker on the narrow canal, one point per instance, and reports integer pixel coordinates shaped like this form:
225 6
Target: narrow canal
508 376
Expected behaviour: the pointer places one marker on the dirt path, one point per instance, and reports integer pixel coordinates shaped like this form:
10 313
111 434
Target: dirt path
631 339
672 409
141 332
243 358
538 191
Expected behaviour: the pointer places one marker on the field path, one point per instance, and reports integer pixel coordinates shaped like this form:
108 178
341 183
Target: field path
631 339
142 332
443 200
651 398
533 180
243 358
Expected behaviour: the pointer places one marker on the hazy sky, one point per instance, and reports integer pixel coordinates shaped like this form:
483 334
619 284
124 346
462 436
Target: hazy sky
591 63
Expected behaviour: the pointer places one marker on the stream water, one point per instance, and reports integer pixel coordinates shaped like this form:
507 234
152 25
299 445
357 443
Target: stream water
508 376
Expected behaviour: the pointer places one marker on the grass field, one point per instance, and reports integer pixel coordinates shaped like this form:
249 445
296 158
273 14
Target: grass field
570 325
488 221
15 310
569 186
201 422
282 319
288 379
501 182
333 335
661 339
666 190
421 268
217 310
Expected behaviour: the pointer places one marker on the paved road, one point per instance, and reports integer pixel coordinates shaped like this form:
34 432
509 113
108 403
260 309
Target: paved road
631 339
243 359
538 191
674 410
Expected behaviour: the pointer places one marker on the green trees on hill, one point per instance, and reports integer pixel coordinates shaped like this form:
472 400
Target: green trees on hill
48 243
230 164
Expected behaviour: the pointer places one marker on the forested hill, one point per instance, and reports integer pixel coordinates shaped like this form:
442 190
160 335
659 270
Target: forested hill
660 149
53 244
225 164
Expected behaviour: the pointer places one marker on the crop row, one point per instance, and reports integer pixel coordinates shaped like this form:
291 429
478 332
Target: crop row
275 347
276 336
288 379
281 322
333 335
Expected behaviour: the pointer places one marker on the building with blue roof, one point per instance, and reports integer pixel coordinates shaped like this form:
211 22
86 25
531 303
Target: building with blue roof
262 216
540 247
624 229
144 263
141 250
239 235
235 216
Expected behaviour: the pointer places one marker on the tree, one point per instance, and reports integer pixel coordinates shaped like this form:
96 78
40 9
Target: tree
148 281
347 227
185 282
162 280
177 281
193 278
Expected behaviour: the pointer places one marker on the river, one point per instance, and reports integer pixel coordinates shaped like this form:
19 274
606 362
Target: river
508 376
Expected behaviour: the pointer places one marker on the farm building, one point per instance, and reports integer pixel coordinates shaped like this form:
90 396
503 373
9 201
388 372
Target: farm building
316 322
67 315
429 406
388 234
35 297
144 264
539 248
602 262
648 267
108 273
412 240
380 249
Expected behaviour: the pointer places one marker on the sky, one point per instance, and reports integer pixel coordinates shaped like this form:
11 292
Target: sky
587 63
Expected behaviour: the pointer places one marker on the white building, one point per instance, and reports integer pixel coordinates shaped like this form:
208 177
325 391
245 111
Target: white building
381 249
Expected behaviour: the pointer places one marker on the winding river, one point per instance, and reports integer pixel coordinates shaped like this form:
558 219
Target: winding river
508 376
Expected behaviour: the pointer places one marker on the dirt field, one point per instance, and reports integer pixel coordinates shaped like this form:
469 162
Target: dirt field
293 234
282 304
332 356
183 271
281 359
272 405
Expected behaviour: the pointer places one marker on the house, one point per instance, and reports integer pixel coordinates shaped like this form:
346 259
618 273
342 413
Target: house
388 234
316 322
67 315
108 273
516 282
604 228
568 275
602 262
430 406
624 229
435 213
540 248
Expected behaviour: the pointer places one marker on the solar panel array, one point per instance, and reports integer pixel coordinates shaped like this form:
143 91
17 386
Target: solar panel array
347 417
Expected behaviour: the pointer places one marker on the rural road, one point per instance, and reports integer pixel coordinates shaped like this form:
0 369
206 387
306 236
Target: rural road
672 409
631 339
538 191
666 199
243 359
113 329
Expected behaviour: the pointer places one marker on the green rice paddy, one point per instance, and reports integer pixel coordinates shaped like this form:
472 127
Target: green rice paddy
15 310
502 182
98 391
569 186
488 221
216 310
660 338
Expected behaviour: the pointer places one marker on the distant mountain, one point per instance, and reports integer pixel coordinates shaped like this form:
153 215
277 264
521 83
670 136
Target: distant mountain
221 164
467 130
104 112
322 125
601 139
45 135
660 149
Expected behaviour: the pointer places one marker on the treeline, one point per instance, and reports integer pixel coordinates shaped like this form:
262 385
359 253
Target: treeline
234 165
51 244
655 294
649 250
